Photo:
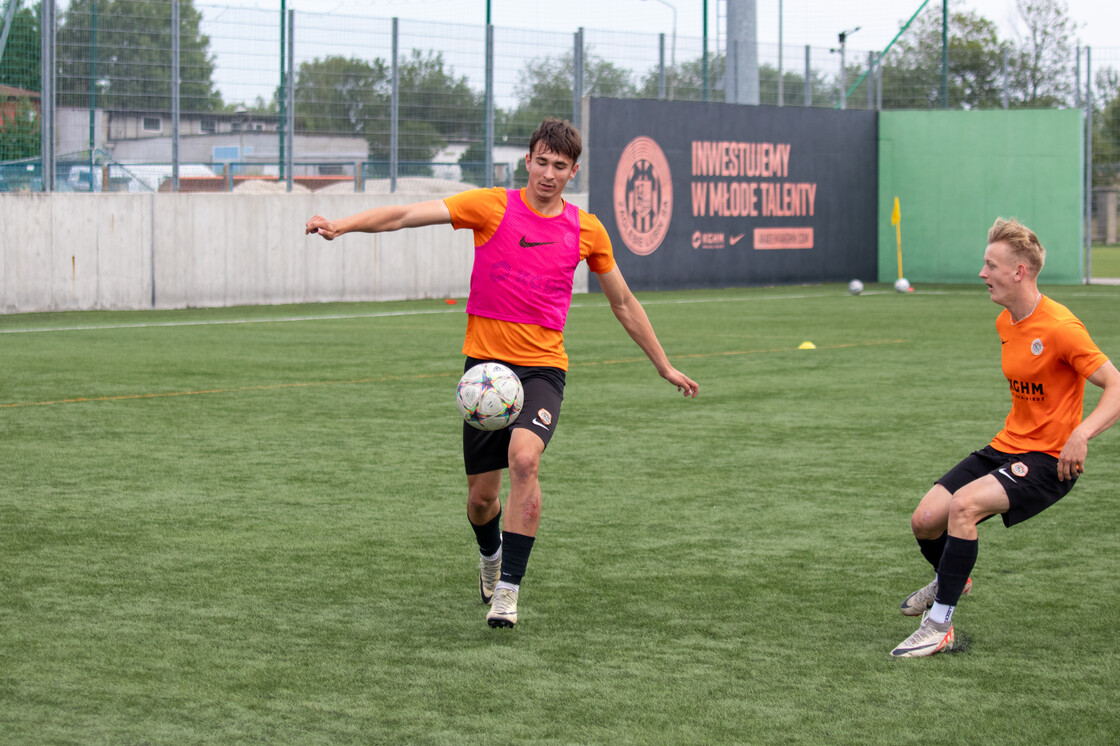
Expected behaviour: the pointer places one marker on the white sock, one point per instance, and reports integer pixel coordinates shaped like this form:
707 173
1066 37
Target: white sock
510 586
494 556
941 613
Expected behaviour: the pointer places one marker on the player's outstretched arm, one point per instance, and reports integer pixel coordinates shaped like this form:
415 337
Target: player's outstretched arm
634 320
381 219
1071 461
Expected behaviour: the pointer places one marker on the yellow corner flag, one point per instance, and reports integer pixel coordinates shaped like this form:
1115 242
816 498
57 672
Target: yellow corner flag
896 221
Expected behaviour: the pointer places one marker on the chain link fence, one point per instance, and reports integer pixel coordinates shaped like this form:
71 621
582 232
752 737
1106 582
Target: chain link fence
268 99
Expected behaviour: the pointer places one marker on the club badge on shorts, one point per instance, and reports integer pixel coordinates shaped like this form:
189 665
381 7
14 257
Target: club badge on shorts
1019 469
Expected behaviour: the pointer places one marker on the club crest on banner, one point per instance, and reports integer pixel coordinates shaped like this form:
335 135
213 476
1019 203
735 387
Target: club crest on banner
643 196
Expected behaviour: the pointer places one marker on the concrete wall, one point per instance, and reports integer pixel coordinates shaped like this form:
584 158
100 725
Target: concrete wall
70 252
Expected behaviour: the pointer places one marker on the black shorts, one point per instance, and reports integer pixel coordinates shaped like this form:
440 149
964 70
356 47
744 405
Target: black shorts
544 391
1030 480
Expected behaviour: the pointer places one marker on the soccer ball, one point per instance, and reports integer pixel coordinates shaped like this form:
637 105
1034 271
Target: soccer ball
855 287
902 285
490 396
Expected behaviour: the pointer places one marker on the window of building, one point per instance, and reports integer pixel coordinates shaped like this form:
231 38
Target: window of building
151 124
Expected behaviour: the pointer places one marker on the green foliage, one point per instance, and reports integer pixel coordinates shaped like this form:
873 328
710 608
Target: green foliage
1106 129
20 135
20 66
125 47
912 69
686 81
1043 61
337 95
235 533
545 90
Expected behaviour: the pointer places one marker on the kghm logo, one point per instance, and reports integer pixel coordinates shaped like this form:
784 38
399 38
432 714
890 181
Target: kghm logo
643 196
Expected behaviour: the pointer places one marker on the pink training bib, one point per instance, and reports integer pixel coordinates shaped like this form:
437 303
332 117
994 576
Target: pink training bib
524 272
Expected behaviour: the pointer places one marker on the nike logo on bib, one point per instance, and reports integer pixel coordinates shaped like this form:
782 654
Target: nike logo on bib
530 244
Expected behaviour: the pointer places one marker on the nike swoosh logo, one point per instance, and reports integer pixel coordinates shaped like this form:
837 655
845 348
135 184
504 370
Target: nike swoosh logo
1004 473
530 244
1003 341
736 239
538 423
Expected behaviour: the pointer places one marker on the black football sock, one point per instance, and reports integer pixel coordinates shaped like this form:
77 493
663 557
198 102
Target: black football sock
489 535
932 549
515 556
956 565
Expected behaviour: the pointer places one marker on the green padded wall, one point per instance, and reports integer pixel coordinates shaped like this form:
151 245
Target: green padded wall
955 172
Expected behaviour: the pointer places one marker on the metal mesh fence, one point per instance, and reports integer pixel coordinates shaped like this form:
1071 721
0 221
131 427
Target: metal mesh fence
113 97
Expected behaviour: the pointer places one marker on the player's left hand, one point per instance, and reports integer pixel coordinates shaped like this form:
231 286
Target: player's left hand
682 382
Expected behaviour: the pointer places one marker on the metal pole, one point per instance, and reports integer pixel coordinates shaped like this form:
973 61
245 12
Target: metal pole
395 112
577 76
175 95
878 84
781 82
577 93
1004 96
808 92
283 93
704 64
843 52
661 67
291 93
489 102
46 103
1076 76
92 87
944 54
870 74
13 5
1088 164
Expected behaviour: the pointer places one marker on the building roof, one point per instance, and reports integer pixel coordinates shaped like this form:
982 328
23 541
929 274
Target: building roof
8 91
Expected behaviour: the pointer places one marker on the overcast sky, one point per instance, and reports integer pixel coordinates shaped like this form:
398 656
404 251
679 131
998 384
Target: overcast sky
813 22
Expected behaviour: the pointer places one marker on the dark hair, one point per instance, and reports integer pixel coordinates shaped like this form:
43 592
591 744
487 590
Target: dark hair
559 136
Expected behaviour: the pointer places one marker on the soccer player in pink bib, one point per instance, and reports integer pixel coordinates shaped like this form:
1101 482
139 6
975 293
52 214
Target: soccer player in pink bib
528 243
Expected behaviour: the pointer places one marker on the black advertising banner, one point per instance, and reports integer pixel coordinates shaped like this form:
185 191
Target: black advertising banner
700 195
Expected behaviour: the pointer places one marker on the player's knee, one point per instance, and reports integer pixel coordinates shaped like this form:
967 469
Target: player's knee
524 464
480 497
925 524
963 510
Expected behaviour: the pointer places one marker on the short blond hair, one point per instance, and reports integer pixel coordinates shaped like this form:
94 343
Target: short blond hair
1023 242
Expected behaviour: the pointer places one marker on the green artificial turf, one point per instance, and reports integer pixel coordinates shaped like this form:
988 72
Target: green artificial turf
255 532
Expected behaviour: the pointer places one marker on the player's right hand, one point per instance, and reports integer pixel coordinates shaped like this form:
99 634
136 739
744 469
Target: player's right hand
321 226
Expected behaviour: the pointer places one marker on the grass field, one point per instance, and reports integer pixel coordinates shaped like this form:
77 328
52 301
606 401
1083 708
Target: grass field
248 525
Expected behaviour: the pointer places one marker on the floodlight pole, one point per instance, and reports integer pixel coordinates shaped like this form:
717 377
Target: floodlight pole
843 37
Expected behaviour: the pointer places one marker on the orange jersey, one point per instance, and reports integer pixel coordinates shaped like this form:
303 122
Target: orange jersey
1046 357
482 210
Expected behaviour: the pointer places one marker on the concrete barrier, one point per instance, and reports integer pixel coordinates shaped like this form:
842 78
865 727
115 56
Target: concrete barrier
77 252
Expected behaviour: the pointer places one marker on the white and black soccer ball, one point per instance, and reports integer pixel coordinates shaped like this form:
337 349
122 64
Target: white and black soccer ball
490 396
855 287
902 285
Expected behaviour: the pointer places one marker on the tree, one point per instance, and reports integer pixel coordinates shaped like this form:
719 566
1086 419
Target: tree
686 80
20 65
351 96
912 69
545 89
434 95
129 56
20 135
1043 59
1106 129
